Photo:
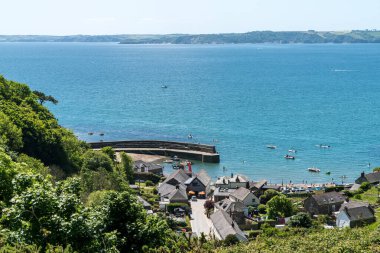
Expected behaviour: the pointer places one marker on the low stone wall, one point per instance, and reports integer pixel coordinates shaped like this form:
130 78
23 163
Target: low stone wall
191 151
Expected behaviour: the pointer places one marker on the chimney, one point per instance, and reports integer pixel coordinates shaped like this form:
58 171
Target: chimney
362 174
232 175
233 224
177 186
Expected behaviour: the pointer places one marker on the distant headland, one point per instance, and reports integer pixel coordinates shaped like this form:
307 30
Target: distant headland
254 37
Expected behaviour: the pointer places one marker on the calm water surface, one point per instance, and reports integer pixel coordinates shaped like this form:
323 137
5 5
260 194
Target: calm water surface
243 96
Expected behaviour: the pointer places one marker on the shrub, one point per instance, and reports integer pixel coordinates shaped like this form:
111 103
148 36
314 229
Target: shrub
301 220
377 169
268 195
254 233
262 208
146 176
365 186
149 183
230 240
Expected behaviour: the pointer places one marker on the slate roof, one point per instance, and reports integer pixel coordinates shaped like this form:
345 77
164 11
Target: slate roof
143 202
223 191
178 195
258 185
238 179
223 225
373 177
329 198
202 177
179 176
142 166
357 210
165 189
241 193
228 206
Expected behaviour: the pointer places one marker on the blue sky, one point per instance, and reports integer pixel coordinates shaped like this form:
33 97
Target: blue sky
62 17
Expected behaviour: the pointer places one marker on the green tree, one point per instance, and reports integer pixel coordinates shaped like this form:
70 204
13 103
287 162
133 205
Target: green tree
230 240
10 133
377 169
110 152
279 206
301 220
127 166
42 97
95 160
268 195
365 186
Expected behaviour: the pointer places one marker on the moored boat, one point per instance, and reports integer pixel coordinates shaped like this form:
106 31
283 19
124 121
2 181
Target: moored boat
271 146
313 169
289 157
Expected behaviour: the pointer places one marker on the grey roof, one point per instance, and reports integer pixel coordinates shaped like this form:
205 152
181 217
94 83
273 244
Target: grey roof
228 205
238 179
142 166
355 187
258 185
373 177
223 224
202 177
329 198
357 210
165 189
143 202
179 176
178 195
223 191
233 179
241 193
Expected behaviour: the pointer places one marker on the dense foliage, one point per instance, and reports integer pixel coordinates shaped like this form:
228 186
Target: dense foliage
29 127
89 208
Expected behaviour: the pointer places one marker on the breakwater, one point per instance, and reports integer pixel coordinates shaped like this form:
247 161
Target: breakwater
185 150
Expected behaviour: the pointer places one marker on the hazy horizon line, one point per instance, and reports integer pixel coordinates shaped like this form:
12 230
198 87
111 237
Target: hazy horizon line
120 34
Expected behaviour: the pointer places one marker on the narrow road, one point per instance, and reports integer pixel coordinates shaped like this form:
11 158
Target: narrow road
200 223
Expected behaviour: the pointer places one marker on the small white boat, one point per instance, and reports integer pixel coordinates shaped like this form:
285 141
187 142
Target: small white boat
271 146
292 151
168 161
164 86
313 169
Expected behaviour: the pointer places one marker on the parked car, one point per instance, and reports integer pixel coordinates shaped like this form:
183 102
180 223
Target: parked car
193 198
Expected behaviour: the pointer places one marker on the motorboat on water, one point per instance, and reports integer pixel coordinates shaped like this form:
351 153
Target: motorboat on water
271 146
313 169
290 157
164 86
292 151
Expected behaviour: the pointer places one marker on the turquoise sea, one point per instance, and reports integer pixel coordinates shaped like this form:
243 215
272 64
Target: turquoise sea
238 97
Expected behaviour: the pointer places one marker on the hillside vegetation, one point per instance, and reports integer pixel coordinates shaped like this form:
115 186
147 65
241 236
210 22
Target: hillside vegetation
355 36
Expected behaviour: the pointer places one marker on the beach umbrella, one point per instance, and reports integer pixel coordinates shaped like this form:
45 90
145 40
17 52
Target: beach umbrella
191 192
202 193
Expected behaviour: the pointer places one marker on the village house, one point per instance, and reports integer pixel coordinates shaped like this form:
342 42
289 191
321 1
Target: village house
244 196
372 178
199 184
173 189
141 166
222 193
355 214
223 225
236 210
257 187
232 182
325 203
